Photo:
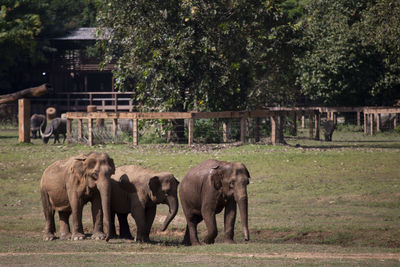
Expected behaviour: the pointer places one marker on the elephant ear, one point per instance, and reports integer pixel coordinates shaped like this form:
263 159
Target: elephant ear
78 166
111 163
126 185
216 176
154 184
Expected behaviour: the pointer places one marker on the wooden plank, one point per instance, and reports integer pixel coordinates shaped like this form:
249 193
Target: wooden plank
115 128
371 125
273 129
365 123
24 120
381 110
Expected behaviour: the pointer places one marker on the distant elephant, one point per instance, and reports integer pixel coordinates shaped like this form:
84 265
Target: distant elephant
206 190
57 126
67 185
126 126
37 120
328 127
138 190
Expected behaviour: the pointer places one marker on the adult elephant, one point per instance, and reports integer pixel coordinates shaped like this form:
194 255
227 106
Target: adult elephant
67 185
138 190
37 121
206 190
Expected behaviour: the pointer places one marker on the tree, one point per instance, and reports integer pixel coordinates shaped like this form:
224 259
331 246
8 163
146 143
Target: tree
192 55
342 65
26 26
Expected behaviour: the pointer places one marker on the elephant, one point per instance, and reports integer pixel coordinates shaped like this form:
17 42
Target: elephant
139 190
328 127
57 126
67 185
37 121
206 190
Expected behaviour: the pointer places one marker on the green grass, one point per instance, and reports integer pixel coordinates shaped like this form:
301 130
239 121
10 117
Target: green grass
306 197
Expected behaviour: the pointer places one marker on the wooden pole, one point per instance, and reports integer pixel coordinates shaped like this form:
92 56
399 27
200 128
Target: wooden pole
24 120
371 124
224 132
273 129
378 122
90 131
135 132
303 121
365 123
358 118
115 127
317 124
243 130
80 132
311 125
69 126
190 131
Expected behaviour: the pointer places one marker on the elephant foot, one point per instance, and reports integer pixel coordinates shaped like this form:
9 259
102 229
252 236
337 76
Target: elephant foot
99 236
78 236
229 241
142 239
209 241
65 236
48 237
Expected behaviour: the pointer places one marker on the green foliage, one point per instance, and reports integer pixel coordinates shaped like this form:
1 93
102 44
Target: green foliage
193 55
343 63
205 130
26 25
397 129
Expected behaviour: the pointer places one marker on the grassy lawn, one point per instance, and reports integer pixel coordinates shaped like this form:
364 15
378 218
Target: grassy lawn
310 203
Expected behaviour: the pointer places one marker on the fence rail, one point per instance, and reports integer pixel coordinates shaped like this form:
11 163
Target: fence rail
277 117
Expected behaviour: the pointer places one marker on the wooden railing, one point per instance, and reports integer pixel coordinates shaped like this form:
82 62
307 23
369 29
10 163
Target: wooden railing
78 101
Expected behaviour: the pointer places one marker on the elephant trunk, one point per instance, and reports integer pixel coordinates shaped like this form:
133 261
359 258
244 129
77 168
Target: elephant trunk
173 205
243 209
104 188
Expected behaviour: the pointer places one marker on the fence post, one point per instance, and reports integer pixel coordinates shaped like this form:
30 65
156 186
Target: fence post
190 131
135 132
371 124
317 124
273 129
224 132
378 122
24 120
303 121
243 129
365 123
80 135
282 122
90 131
69 123
358 118
114 127
311 125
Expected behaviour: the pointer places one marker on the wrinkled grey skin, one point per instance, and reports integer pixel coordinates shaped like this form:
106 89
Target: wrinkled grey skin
206 190
67 185
37 121
138 191
328 127
126 126
57 126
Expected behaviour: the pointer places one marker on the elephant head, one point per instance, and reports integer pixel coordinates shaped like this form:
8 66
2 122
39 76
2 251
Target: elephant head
231 180
94 170
164 188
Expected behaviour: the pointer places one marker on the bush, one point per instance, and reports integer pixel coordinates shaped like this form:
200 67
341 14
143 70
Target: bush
349 128
206 131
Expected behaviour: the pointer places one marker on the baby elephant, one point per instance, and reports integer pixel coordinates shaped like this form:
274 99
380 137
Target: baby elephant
206 190
138 190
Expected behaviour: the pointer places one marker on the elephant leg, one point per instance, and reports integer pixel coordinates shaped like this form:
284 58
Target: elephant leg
113 232
229 221
124 231
76 207
65 136
138 213
65 232
191 237
48 211
97 216
211 224
150 215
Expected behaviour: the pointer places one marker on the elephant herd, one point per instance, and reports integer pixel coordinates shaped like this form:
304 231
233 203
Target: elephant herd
208 188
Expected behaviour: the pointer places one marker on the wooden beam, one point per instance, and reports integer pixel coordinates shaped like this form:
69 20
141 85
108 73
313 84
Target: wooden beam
29 92
371 124
90 131
24 120
273 129
80 131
